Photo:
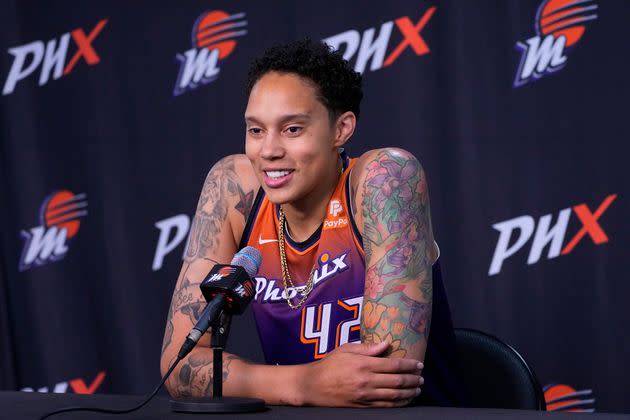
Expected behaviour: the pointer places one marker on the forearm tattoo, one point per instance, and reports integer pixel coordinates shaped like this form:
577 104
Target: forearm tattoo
398 245
186 300
195 375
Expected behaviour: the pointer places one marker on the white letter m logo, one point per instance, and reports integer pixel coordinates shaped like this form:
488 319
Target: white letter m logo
43 246
540 58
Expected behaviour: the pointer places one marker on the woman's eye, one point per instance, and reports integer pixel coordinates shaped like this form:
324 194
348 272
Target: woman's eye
255 131
294 130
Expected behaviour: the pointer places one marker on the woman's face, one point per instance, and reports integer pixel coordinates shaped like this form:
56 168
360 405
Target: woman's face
289 138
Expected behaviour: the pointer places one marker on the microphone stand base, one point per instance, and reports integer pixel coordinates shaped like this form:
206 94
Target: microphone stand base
218 405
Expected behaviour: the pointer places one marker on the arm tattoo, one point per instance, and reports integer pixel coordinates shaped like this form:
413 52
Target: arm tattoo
183 301
398 249
195 375
168 333
188 301
245 203
220 187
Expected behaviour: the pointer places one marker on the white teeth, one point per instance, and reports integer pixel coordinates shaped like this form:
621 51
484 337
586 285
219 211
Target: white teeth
277 174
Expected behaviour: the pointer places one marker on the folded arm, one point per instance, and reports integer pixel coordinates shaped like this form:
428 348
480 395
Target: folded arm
392 202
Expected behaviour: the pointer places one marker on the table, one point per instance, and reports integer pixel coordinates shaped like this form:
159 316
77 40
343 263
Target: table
32 405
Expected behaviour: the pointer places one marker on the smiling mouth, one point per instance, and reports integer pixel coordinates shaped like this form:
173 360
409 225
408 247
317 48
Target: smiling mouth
277 174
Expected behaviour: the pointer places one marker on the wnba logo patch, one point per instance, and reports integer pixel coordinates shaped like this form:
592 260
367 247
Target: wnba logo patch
59 222
212 39
559 25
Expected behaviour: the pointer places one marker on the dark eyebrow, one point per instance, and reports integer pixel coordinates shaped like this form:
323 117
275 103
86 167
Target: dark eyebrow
284 119
251 119
295 117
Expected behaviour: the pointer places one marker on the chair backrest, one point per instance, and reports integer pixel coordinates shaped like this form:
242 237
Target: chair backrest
495 374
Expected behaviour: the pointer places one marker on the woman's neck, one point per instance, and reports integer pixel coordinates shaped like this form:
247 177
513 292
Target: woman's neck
306 215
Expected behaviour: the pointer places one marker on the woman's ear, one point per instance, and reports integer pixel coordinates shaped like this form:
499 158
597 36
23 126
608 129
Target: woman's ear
344 128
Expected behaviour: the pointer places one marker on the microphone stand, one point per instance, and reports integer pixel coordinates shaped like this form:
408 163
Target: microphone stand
220 331
218 403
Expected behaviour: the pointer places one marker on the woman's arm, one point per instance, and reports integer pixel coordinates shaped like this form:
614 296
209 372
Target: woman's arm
193 376
350 376
392 206
224 204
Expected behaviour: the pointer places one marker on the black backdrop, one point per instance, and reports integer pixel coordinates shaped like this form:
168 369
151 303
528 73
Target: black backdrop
102 157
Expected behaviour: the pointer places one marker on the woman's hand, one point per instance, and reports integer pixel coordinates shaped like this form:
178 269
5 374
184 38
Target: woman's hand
354 376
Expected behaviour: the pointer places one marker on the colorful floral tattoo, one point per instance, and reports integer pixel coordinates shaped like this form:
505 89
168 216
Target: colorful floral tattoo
399 253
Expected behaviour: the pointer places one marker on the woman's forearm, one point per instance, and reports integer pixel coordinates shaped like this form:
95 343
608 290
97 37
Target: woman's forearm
276 385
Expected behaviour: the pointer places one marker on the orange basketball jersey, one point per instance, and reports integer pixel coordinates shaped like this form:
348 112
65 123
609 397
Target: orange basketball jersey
330 316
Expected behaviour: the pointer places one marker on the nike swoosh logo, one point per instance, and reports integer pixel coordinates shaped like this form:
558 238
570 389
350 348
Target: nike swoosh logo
262 241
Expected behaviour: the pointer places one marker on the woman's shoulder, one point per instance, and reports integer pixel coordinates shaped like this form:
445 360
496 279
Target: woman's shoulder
375 166
396 154
235 174
390 160
233 185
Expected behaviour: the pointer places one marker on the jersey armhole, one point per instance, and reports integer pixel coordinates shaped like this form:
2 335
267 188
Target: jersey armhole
253 213
355 229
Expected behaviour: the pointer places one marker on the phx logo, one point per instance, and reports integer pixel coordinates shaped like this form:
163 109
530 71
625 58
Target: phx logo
547 234
52 57
59 222
559 25
212 41
76 386
560 397
371 48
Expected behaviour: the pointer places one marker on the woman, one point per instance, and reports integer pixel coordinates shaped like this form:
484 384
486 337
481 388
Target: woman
349 284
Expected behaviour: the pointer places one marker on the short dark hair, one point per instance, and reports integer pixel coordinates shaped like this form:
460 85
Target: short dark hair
338 85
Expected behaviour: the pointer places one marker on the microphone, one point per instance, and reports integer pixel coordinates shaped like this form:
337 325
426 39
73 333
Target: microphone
228 289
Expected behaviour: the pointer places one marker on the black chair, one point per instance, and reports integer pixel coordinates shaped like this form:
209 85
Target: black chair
495 374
